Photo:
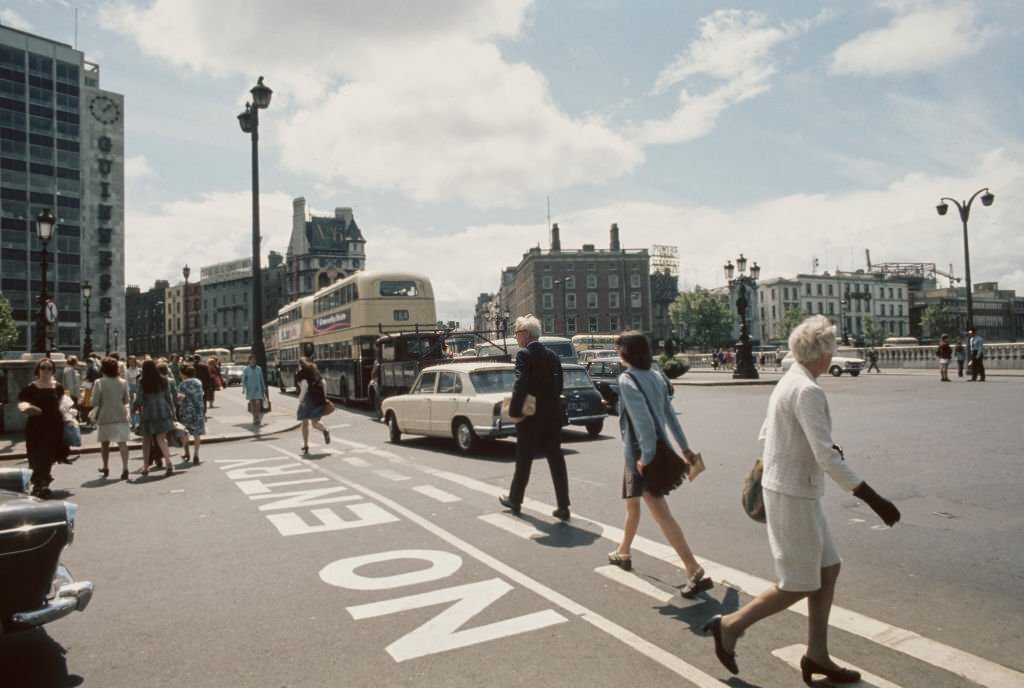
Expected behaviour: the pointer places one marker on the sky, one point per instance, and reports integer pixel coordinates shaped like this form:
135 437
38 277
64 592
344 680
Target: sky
786 130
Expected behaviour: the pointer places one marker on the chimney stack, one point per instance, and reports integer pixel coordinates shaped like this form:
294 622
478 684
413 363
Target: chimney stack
556 242
615 246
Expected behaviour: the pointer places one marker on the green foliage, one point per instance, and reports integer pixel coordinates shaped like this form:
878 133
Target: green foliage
8 331
673 368
790 319
938 319
702 318
874 333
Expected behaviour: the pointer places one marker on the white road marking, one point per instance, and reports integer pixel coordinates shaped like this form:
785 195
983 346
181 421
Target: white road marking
437 493
513 525
614 630
791 655
392 475
356 461
339 426
634 582
982 671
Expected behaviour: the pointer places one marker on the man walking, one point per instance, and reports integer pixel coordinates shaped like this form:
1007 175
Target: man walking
873 360
976 345
538 373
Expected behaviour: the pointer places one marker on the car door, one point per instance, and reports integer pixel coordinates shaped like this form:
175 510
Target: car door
420 403
445 402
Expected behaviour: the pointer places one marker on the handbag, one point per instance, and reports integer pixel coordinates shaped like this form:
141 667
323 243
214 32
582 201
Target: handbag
328 407
72 435
752 497
265 403
529 407
178 436
667 469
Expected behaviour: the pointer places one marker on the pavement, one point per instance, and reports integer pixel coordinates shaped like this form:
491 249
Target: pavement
229 420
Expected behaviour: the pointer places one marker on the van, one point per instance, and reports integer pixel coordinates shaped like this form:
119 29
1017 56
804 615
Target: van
901 341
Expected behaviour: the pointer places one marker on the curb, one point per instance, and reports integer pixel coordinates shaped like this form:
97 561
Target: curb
213 439
725 383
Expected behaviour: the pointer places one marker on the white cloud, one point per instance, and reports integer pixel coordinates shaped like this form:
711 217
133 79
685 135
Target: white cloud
735 49
922 36
137 167
9 17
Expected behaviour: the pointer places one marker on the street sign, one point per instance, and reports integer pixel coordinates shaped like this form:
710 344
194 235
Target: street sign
51 312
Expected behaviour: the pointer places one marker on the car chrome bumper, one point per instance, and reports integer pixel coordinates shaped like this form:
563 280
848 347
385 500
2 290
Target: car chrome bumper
583 420
70 597
502 429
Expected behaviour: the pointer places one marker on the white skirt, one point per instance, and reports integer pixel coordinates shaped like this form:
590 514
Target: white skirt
799 539
113 432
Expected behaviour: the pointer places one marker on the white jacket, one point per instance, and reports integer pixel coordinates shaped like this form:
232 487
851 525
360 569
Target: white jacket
797 434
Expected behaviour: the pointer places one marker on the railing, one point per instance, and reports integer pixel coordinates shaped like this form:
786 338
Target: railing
997 356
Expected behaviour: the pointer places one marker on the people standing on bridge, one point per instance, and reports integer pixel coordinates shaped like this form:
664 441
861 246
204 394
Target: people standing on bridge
944 353
976 345
312 401
110 400
156 409
798 450
191 412
44 430
645 411
538 374
254 388
961 357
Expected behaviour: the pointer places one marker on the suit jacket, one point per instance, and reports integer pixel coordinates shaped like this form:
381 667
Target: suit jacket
538 372
203 375
798 439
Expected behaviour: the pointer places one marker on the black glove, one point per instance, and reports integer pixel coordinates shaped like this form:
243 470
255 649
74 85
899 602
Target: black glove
885 509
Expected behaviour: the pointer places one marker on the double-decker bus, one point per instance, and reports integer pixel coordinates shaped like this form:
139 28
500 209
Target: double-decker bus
294 338
270 347
222 355
240 355
348 317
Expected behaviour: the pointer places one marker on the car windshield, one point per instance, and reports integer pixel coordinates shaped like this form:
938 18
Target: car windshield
492 381
576 379
562 349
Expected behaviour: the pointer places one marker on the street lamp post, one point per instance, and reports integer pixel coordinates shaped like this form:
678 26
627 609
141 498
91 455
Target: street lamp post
987 197
505 315
843 302
745 368
117 334
185 272
106 320
87 344
45 223
249 120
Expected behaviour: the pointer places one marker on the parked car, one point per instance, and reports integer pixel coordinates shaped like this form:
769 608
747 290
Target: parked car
233 375
36 588
458 400
605 374
582 404
594 354
844 360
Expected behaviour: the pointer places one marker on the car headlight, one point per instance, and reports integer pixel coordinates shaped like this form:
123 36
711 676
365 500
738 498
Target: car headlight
71 511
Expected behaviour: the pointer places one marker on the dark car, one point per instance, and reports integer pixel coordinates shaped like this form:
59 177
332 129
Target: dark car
36 588
605 374
581 402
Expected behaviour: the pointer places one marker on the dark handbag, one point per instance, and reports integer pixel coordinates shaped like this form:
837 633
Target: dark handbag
752 497
667 470
265 403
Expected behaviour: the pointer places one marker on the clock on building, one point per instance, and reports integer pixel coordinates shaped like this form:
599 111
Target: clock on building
104 109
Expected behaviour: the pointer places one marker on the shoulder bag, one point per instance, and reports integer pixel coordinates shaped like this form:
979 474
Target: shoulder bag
752 497
667 469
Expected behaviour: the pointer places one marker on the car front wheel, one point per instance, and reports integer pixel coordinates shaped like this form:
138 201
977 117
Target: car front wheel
854 373
595 428
394 433
464 435
836 371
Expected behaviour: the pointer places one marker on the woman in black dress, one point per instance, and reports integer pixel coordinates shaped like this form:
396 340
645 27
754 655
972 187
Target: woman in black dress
44 431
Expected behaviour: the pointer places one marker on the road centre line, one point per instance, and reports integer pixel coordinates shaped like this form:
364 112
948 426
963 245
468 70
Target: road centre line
617 632
437 493
791 655
515 526
977 669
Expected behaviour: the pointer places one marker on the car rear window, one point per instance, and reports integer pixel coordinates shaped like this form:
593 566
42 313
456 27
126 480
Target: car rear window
492 381
576 379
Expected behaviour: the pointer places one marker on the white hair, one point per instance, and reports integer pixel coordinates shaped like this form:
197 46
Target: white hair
529 323
812 339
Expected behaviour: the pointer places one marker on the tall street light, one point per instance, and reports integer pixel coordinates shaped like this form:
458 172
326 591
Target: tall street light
249 120
87 344
117 334
745 368
106 320
45 223
965 213
185 272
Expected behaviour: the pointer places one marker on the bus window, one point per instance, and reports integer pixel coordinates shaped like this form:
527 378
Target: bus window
387 351
398 288
425 385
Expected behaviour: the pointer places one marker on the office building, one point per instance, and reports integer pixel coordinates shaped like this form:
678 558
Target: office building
145 319
226 300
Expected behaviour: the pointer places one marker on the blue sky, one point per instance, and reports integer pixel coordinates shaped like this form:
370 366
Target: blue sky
783 130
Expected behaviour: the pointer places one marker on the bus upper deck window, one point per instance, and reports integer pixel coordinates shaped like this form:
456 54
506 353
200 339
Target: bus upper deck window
398 288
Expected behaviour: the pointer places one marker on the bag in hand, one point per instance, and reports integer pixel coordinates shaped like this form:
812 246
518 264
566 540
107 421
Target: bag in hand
529 407
696 467
328 407
265 406
752 497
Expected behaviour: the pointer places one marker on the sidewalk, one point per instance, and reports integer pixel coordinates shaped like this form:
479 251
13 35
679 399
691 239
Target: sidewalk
228 420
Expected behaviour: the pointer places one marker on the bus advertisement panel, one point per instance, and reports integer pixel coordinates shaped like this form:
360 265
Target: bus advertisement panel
333 322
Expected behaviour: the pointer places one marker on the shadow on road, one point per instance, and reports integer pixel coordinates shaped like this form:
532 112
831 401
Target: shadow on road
33 659
561 534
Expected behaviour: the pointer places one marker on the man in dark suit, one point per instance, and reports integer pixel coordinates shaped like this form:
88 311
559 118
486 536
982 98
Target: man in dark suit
203 375
538 372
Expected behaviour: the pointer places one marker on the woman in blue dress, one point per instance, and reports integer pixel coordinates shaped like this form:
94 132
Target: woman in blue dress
312 400
190 409
156 408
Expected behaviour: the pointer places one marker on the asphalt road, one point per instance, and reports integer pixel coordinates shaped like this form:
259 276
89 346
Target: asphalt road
369 564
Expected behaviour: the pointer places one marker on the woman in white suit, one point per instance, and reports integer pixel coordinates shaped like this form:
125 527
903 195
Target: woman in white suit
798 451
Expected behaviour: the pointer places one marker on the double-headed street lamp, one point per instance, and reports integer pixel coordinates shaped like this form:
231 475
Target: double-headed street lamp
87 344
185 272
987 197
745 367
45 222
250 123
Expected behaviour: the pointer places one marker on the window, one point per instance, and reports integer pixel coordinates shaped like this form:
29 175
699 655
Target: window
591 299
890 292
591 282
899 293
593 324
821 306
570 282
819 289
810 306
807 290
613 280
830 290
773 311
425 385
570 301
398 288
634 280
900 309
635 299
549 323
570 325
449 383
401 315
613 323
547 301
638 323
546 281
613 299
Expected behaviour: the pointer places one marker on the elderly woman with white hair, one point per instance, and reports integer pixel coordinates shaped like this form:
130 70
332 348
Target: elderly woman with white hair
798 451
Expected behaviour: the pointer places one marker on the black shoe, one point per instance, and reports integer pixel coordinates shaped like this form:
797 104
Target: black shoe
696 585
728 659
104 472
42 492
808 667
327 436
562 514
510 505
124 474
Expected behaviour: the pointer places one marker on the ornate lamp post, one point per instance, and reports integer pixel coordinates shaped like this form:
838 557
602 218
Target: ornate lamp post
965 213
106 320
249 120
87 344
45 223
505 315
186 345
745 367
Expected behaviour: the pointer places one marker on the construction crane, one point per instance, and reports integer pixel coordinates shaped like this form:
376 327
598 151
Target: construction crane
948 275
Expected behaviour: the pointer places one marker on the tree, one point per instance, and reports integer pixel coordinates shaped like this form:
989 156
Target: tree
938 319
790 319
8 331
703 318
874 333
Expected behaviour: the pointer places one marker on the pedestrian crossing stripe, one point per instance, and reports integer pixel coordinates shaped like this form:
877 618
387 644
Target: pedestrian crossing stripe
791 655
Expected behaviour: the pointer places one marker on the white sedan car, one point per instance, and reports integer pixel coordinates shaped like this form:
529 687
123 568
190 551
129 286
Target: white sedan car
458 400
843 361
